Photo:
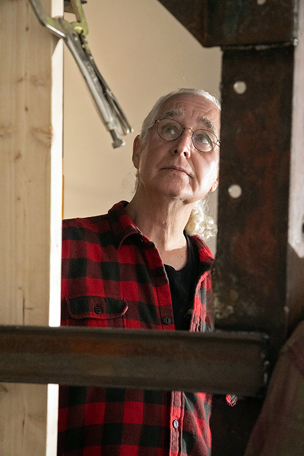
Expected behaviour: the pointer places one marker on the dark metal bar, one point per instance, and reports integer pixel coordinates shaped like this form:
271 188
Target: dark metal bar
251 264
236 22
190 13
215 363
260 255
243 22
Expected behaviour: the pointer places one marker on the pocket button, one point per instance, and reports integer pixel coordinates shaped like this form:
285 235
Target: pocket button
98 310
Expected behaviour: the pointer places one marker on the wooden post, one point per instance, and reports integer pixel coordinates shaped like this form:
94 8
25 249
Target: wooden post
30 187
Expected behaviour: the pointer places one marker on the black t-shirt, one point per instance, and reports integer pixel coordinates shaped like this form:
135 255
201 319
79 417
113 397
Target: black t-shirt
182 286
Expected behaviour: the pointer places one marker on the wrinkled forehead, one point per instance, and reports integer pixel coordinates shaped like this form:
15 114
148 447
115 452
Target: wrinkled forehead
192 110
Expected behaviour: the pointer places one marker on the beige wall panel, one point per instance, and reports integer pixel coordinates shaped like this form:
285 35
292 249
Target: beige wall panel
30 161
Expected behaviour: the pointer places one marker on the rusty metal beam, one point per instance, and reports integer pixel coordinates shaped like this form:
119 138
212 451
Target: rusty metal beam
190 14
260 254
243 22
237 22
134 358
257 89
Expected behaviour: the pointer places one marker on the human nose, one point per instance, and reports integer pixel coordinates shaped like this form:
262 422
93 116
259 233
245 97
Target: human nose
183 144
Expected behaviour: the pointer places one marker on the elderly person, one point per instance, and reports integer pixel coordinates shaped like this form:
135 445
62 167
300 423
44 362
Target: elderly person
139 266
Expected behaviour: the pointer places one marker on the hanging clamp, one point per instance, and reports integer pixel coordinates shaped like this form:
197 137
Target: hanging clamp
74 35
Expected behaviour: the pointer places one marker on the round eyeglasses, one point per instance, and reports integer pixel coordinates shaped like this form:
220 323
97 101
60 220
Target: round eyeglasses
170 130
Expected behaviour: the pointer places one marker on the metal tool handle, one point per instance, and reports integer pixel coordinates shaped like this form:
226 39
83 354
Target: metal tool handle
74 35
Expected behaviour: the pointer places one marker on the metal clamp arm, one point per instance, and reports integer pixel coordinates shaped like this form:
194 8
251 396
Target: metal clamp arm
74 35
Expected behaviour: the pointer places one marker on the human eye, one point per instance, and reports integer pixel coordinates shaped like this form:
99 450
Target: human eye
169 129
202 138
202 141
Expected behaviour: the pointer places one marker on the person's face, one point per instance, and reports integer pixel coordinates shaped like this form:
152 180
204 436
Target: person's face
176 169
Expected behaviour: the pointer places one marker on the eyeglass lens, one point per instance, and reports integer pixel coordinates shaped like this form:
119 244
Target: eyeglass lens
170 129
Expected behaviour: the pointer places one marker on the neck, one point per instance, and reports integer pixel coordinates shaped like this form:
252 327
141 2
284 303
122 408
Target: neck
163 221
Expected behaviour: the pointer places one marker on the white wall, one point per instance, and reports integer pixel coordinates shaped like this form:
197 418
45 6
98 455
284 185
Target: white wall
143 53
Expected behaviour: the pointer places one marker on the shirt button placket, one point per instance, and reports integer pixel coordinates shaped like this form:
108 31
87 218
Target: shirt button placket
176 422
167 320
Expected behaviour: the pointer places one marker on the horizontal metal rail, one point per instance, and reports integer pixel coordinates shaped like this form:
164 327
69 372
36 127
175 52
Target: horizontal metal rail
220 362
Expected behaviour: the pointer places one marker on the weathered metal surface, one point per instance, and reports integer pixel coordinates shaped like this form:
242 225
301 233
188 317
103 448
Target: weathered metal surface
190 13
260 253
242 22
251 261
236 22
215 363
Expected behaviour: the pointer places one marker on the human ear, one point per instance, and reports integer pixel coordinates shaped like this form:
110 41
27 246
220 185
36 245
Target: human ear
137 148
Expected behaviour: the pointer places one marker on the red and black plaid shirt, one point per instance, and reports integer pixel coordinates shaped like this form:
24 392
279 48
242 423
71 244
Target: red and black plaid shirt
113 276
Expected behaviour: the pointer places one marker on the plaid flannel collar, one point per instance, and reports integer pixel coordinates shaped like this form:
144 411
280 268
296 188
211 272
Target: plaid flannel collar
121 223
123 226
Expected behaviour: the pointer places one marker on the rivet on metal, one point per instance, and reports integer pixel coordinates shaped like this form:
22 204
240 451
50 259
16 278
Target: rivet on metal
235 191
240 87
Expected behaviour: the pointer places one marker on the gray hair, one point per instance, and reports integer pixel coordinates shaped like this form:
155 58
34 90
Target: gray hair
199 222
155 110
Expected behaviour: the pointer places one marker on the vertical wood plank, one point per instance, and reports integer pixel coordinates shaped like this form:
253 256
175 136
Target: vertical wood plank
30 187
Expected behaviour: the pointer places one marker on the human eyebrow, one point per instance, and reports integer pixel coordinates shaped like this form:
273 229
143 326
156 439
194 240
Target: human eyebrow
207 123
174 112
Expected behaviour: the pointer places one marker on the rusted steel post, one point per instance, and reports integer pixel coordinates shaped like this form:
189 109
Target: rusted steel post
260 250
251 265
236 22
259 280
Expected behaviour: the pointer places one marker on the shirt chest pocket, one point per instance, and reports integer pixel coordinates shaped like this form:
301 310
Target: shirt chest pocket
96 311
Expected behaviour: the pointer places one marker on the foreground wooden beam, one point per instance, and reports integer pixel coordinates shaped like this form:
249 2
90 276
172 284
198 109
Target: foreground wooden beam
30 187
220 362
